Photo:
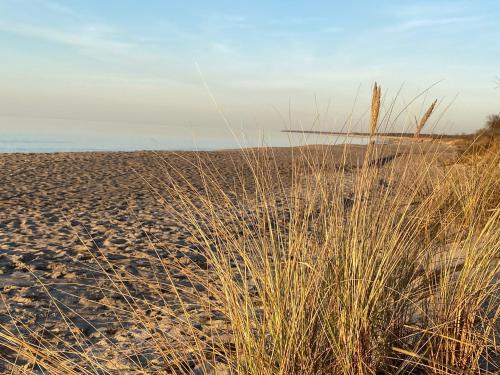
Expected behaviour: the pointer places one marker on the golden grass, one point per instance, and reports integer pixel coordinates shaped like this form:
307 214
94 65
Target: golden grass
425 118
375 109
365 269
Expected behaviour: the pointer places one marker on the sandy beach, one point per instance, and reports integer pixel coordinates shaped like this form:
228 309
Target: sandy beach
68 220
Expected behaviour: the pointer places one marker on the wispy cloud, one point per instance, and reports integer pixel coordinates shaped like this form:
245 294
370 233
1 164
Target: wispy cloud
86 38
332 29
420 23
421 15
223 22
67 28
55 6
426 9
289 21
224 48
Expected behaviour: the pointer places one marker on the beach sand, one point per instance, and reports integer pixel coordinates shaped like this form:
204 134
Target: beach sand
61 213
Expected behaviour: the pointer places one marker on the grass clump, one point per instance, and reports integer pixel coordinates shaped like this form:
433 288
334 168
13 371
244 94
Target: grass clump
396 278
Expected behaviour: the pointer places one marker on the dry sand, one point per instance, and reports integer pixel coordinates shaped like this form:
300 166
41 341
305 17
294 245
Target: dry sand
60 212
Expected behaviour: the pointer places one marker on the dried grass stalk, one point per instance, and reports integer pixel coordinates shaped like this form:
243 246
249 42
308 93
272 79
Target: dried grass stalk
425 118
375 109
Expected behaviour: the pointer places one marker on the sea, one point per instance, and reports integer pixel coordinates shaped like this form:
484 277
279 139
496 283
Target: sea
35 136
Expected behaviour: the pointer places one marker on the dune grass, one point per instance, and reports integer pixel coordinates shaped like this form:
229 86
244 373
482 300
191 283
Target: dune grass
345 268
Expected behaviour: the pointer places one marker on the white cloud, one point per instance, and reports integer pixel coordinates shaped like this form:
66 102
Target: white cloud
223 22
87 38
57 7
420 23
224 48
61 25
332 29
289 21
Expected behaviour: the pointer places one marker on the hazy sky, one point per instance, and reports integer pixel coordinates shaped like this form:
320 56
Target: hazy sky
134 64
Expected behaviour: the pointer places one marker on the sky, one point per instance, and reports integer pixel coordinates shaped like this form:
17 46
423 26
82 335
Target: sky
156 67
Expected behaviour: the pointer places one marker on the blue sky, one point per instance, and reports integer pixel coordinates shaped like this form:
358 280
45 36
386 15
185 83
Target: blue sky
144 64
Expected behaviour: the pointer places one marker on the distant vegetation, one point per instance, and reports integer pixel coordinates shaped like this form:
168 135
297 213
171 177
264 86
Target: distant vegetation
492 128
486 139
